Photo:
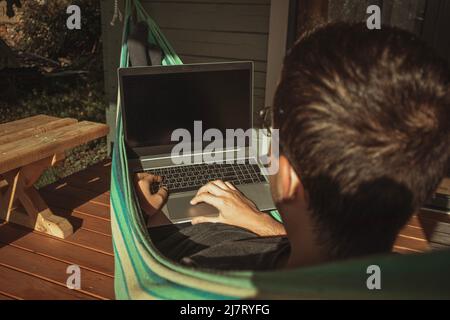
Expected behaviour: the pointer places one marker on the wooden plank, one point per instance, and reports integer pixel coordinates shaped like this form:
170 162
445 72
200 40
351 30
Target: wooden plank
95 284
23 152
414 244
436 227
57 249
259 75
258 92
209 16
92 240
87 222
410 231
243 46
438 246
101 169
430 226
403 250
259 66
36 215
5 297
24 124
28 287
81 194
35 129
414 221
95 184
69 203
434 215
95 178
440 238
260 81
90 232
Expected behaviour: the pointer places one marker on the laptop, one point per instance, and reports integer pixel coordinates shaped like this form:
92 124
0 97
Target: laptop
190 99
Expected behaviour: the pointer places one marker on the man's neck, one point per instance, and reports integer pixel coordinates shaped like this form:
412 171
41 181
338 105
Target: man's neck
304 249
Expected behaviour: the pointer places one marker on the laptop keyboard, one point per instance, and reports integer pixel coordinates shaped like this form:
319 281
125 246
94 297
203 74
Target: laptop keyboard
192 177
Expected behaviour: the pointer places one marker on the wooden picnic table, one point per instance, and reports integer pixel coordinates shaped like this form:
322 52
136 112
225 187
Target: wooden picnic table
27 148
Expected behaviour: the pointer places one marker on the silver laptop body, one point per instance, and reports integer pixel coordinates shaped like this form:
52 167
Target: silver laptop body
160 99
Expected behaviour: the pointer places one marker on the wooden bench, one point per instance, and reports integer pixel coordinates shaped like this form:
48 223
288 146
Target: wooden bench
27 148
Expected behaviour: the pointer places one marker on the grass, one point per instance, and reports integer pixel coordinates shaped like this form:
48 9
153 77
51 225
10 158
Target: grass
45 87
76 160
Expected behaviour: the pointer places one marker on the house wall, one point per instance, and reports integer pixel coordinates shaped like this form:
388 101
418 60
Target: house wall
111 42
429 19
201 31
436 26
405 14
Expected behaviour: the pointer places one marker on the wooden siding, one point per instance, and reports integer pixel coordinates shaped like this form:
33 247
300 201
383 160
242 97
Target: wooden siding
200 31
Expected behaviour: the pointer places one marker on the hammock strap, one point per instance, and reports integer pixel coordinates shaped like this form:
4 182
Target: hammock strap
117 13
156 37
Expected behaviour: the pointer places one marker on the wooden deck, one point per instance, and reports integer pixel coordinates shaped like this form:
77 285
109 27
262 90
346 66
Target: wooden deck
33 265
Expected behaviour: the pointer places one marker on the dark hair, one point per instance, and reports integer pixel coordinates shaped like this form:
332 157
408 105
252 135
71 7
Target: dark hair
364 119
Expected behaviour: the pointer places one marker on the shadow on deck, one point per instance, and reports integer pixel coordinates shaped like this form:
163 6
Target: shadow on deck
33 265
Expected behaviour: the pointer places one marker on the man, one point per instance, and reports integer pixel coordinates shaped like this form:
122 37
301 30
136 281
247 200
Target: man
364 120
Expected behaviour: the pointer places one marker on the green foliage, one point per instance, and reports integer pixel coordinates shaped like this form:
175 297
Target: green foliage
76 160
10 7
43 32
46 34
83 102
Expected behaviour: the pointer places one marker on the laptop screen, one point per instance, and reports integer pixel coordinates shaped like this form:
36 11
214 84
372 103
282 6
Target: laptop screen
158 100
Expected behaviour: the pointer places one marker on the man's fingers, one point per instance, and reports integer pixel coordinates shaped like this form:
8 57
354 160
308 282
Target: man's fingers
198 220
159 199
163 192
230 185
211 188
138 176
220 184
152 178
209 199
147 177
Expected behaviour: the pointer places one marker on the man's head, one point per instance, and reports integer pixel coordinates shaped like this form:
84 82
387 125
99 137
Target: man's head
364 120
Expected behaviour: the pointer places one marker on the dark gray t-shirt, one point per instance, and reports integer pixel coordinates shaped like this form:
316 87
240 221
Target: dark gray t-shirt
219 246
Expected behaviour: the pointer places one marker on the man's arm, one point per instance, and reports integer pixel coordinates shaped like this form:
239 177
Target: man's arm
150 203
235 209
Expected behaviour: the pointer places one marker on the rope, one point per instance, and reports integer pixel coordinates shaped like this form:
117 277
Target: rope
117 14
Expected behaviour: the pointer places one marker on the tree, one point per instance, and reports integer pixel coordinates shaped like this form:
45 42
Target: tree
10 7
45 30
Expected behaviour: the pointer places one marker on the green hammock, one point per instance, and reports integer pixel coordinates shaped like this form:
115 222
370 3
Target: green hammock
142 273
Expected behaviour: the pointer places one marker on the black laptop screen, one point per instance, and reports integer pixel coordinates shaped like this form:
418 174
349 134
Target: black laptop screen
157 104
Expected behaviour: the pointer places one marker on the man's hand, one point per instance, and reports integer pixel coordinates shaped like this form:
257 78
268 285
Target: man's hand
150 203
235 209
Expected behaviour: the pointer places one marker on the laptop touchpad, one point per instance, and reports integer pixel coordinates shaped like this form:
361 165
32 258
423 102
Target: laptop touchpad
181 209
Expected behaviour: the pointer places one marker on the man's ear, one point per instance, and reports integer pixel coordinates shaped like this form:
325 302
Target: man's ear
288 184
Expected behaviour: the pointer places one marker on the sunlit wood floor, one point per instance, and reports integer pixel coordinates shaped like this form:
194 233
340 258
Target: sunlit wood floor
33 265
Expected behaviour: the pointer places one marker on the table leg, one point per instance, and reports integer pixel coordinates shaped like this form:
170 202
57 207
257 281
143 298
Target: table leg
19 187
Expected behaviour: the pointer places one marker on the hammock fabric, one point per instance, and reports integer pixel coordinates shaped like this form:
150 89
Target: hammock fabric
141 272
